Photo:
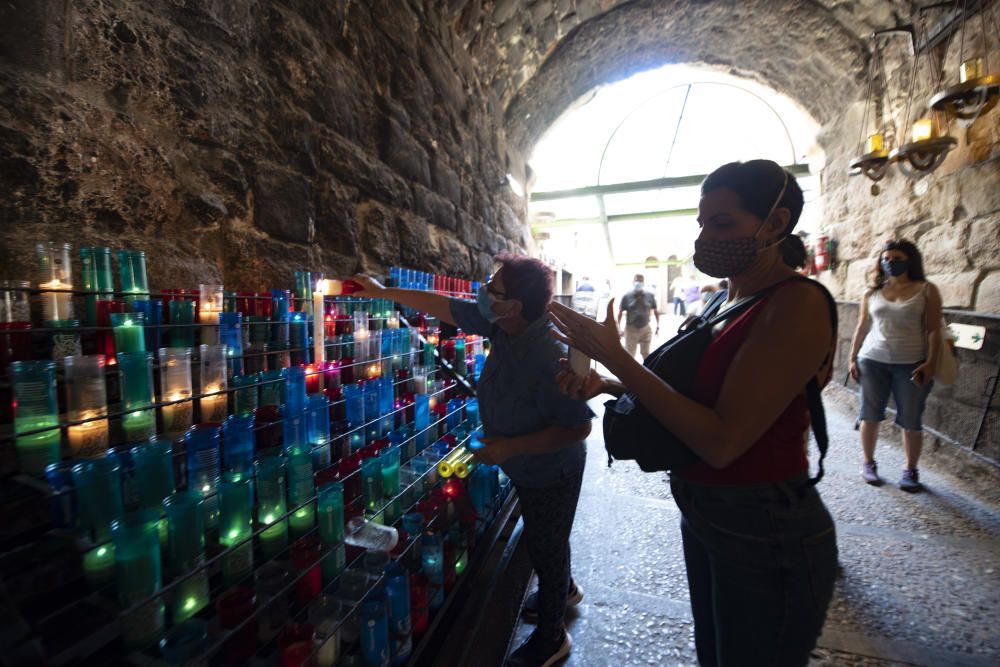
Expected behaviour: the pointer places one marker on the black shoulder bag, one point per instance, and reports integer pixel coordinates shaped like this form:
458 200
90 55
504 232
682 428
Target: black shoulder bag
631 432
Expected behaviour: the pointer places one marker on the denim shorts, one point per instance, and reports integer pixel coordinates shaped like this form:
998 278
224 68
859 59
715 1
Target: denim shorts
878 379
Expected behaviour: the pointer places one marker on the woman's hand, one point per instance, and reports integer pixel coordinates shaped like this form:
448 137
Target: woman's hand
581 387
922 375
855 371
495 450
369 286
598 340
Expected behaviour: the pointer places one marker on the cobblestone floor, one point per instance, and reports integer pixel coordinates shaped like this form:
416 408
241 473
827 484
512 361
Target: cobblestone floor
920 582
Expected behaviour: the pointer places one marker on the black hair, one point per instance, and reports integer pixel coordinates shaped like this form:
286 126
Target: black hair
757 184
914 269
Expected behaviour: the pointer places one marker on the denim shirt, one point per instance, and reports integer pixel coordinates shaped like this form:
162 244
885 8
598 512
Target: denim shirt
518 395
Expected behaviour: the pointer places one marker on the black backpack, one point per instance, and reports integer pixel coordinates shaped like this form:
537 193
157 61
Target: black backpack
631 432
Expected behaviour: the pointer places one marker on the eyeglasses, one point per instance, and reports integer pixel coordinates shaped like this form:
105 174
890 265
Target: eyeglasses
495 293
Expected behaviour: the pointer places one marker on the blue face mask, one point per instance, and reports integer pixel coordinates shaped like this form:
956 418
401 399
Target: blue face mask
485 301
638 286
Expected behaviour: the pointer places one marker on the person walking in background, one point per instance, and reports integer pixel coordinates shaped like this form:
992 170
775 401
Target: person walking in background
677 296
895 351
692 294
637 305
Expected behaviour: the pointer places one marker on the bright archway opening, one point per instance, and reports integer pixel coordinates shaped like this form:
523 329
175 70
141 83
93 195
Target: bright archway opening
616 178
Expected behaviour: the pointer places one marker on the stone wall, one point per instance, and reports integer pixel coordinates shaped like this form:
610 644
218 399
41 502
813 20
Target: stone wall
955 221
238 140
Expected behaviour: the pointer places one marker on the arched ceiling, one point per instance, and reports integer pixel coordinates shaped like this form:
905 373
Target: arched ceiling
541 55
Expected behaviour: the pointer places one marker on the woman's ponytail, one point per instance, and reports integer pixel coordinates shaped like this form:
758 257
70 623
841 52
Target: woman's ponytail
793 251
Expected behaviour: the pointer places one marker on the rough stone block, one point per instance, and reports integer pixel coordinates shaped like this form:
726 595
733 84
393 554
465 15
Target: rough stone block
446 181
988 294
406 155
957 289
435 208
941 247
282 205
379 233
984 242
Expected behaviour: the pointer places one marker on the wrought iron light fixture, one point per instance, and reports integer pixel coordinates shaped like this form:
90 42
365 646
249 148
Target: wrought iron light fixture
874 158
929 143
976 93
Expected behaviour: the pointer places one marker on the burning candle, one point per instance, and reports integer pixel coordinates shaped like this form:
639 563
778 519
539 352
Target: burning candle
876 143
86 399
319 332
55 274
128 332
213 383
923 129
209 307
971 69
361 345
175 385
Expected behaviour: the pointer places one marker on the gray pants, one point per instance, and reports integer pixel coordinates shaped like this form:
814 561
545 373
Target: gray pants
548 519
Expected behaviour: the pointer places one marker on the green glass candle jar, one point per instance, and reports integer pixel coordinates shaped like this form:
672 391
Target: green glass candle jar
186 553
236 526
300 489
181 315
153 466
128 332
271 505
138 576
137 393
35 407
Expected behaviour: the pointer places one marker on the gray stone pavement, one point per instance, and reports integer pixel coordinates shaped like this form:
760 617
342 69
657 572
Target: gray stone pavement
920 582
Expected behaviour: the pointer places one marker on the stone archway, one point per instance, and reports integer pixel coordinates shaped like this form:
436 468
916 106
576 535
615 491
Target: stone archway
798 49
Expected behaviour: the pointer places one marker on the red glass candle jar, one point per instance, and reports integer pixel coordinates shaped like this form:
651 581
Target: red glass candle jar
233 607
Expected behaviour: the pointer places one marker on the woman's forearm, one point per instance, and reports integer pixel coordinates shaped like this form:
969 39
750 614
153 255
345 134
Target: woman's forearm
613 387
933 347
426 302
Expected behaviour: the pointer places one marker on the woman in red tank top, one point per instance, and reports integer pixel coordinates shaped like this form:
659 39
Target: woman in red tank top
759 544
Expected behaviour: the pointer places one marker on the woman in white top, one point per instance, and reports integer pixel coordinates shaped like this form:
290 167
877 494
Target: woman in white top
895 351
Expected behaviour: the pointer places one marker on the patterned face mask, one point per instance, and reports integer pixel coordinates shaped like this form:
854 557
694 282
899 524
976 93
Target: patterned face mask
723 259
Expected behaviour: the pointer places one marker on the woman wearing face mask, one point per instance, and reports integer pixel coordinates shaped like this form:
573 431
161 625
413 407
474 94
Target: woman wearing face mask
759 544
534 431
895 350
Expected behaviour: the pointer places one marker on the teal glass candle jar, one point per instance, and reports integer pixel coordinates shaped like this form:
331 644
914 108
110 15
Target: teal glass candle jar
98 485
246 397
330 514
186 554
181 332
203 443
95 269
371 484
137 393
318 427
35 407
138 576
128 332
153 465
389 462
272 387
132 272
300 489
271 505
236 526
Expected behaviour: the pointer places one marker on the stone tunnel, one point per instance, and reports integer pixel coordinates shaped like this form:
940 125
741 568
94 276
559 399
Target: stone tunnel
235 141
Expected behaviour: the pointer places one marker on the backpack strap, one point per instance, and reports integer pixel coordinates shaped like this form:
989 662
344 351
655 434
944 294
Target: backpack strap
817 415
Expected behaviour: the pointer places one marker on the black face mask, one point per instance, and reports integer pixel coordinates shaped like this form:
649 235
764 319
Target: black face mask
895 267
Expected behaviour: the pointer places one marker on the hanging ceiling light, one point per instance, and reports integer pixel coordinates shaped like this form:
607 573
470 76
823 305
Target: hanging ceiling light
929 142
874 149
976 93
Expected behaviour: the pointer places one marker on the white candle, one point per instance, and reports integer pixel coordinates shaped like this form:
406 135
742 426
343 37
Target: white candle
177 417
56 305
209 334
319 335
213 406
361 345
89 440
